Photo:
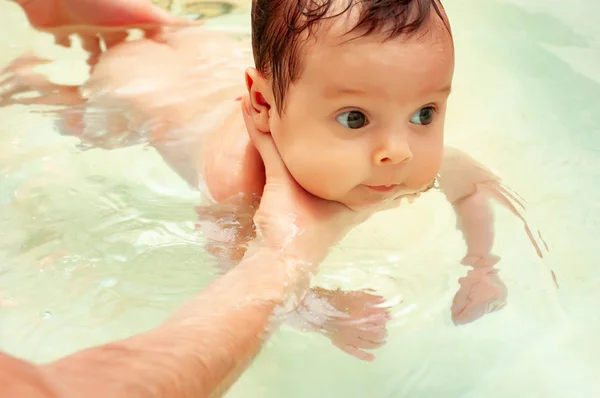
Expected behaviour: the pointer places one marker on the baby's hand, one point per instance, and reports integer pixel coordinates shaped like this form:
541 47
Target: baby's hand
481 292
354 321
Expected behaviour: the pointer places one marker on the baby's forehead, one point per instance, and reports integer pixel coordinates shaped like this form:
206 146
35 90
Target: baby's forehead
422 61
335 44
344 28
340 35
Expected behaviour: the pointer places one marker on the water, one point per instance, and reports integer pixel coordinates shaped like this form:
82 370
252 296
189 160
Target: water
99 245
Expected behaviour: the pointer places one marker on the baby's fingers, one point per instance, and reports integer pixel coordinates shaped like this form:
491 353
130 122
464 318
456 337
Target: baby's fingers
467 314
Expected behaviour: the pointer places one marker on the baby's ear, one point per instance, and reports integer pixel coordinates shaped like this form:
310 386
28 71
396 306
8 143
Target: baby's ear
260 99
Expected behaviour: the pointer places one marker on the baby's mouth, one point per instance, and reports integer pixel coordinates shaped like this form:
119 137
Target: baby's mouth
383 188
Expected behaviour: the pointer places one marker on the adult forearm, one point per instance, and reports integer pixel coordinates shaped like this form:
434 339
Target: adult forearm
199 351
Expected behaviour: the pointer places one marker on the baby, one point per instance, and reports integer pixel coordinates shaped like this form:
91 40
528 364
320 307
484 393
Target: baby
354 95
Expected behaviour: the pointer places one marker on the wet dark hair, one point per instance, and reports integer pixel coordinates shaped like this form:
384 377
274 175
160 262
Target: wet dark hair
278 24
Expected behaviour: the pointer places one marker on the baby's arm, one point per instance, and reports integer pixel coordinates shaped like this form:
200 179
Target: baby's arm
470 187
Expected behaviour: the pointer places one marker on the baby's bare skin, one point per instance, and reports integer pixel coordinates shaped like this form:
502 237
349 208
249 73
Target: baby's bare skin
176 81
180 89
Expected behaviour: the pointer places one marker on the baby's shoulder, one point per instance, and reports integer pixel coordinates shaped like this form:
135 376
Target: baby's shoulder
231 163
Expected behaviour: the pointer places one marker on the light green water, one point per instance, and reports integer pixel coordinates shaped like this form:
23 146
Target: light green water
99 245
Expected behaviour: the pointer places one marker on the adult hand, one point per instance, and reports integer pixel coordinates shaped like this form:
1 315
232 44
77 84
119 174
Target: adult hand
95 20
287 211
354 321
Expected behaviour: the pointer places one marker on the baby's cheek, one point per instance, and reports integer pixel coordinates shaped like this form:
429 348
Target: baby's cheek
315 164
423 172
312 179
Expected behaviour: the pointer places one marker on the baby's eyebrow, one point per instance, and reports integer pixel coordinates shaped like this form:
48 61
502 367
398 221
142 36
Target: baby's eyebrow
337 91
445 90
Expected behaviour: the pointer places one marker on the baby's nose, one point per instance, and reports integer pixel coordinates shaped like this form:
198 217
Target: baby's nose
394 150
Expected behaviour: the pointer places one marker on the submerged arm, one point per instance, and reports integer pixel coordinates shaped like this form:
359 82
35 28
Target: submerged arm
198 352
470 188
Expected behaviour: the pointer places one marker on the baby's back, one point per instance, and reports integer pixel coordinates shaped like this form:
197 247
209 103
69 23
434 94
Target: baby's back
182 85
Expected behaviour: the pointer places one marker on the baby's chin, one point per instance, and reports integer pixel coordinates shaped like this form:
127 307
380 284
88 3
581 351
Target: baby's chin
379 203
361 202
353 198
358 200
321 193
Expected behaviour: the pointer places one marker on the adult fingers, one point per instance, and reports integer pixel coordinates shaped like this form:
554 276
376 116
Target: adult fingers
263 141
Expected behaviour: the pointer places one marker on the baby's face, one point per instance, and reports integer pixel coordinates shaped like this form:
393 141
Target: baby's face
364 122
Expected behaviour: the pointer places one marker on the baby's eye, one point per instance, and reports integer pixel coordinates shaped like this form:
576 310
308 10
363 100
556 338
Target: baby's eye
352 119
424 116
